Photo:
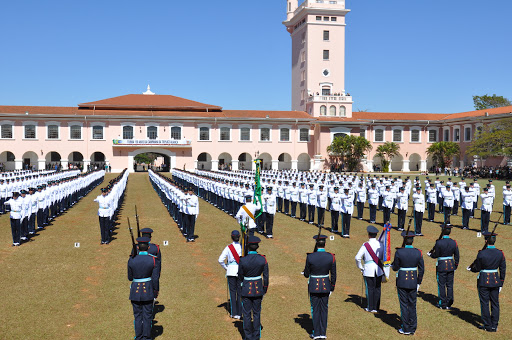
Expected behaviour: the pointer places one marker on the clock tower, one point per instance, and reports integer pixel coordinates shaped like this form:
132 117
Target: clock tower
317 29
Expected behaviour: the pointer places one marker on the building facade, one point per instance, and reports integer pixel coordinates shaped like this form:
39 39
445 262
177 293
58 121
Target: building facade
193 135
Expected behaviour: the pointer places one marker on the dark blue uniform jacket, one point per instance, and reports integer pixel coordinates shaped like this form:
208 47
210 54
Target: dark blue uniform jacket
143 266
252 266
318 266
444 248
411 259
487 261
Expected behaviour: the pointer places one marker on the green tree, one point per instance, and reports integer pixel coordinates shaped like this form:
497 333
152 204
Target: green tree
494 139
349 150
489 102
387 151
443 152
146 158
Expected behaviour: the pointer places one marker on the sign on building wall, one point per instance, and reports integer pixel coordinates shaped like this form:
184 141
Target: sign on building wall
160 142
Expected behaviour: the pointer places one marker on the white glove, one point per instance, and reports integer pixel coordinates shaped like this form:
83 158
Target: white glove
500 289
468 268
429 254
362 271
331 292
418 288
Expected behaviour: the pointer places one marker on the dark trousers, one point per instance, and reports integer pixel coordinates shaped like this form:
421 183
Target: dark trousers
40 221
321 212
360 210
319 311
431 211
15 230
311 213
466 213
260 223
373 213
143 315
104 229
234 295
386 214
334 220
445 288
506 214
440 201
251 307
492 295
447 212
381 200
407 299
269 223
294 209
2 206
279 204
401 218
24 227
32 223
303 211
191 225
373 285
455 209
484 220
286 206
418 221
345 223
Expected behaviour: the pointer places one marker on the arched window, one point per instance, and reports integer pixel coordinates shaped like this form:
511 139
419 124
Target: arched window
343 111
332 110
127 132
152 132
176 132
323 110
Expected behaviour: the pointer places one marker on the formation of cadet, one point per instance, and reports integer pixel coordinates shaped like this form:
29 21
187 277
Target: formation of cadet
179 199
109 203
36 198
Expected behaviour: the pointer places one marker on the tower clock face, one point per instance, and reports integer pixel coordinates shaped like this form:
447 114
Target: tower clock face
326 73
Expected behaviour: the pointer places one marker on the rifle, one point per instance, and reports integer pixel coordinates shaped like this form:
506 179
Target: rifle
137 219
473 265
319 232
408 228
133 240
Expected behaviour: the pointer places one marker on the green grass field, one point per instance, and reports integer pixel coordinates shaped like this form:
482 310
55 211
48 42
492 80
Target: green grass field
52 290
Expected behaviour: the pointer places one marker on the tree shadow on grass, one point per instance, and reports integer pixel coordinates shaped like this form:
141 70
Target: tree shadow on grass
305 321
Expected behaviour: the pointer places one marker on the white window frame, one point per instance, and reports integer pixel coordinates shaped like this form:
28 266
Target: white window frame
209 126
230 127
470 133
363 128
401 129
123 124
300 127
180 125
240 127
380 127
340 129
8 122
419 128
344 111
29 123
290 130
157 130
428 134
263 126
58 130
70 124
91 125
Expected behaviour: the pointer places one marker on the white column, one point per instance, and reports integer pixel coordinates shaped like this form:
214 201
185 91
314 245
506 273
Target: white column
215 164
318 162
369 165
294 164
64 164
195 164
253 166
130 166
18 164
41 164
275 164
234 165
87 162
423 165
405 166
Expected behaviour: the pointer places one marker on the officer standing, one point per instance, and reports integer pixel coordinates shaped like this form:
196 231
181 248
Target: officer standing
373 201
409 264
402 205
467 198
247 211
303 201
419 208
335 209
431 202
191 209
154 249
507 204
143 272
320 285
372 252
485 210
16 206
253 274
347 209
231 254
321 204
104 214
446 252
488 263
270 211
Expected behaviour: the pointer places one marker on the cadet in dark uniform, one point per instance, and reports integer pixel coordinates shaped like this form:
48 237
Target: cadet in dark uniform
253 273
446 252
489 282
409 264
318 266
154 249
143 272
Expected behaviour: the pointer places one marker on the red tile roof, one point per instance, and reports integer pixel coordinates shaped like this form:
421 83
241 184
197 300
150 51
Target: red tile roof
494 111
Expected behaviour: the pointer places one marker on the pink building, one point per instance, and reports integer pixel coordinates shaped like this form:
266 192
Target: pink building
192 135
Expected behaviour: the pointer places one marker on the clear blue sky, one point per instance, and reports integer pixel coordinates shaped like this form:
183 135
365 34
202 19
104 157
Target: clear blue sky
402 55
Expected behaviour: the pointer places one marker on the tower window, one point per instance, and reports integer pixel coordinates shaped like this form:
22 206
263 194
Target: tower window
318 18
334 18
326 18
332 110
326 54
326 35
323 110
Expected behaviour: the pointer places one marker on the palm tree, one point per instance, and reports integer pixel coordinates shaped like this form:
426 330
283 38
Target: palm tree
386 152
443 152
349 150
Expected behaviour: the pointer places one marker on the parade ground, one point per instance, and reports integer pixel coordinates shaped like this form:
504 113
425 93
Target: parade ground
54 289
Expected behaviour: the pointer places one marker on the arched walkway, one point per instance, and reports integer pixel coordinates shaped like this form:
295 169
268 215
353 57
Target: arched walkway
225 161
397 163
414 162
98 160
76 159
167 153
30 160
285 161
204 161
303 162
52 159
7 161
377 165
266 163
245 161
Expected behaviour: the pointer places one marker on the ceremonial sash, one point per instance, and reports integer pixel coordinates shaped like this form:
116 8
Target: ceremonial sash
248 212
234 253
374 256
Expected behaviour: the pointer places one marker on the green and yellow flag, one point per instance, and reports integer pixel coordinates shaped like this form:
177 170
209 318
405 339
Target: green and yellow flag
257 186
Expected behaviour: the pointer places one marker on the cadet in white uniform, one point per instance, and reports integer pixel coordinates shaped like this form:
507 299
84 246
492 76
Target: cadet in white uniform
419 208
507 204
232 254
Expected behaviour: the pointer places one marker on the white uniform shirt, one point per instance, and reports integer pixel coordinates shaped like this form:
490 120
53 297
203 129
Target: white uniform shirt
419 202
370 269
231 267
242 214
